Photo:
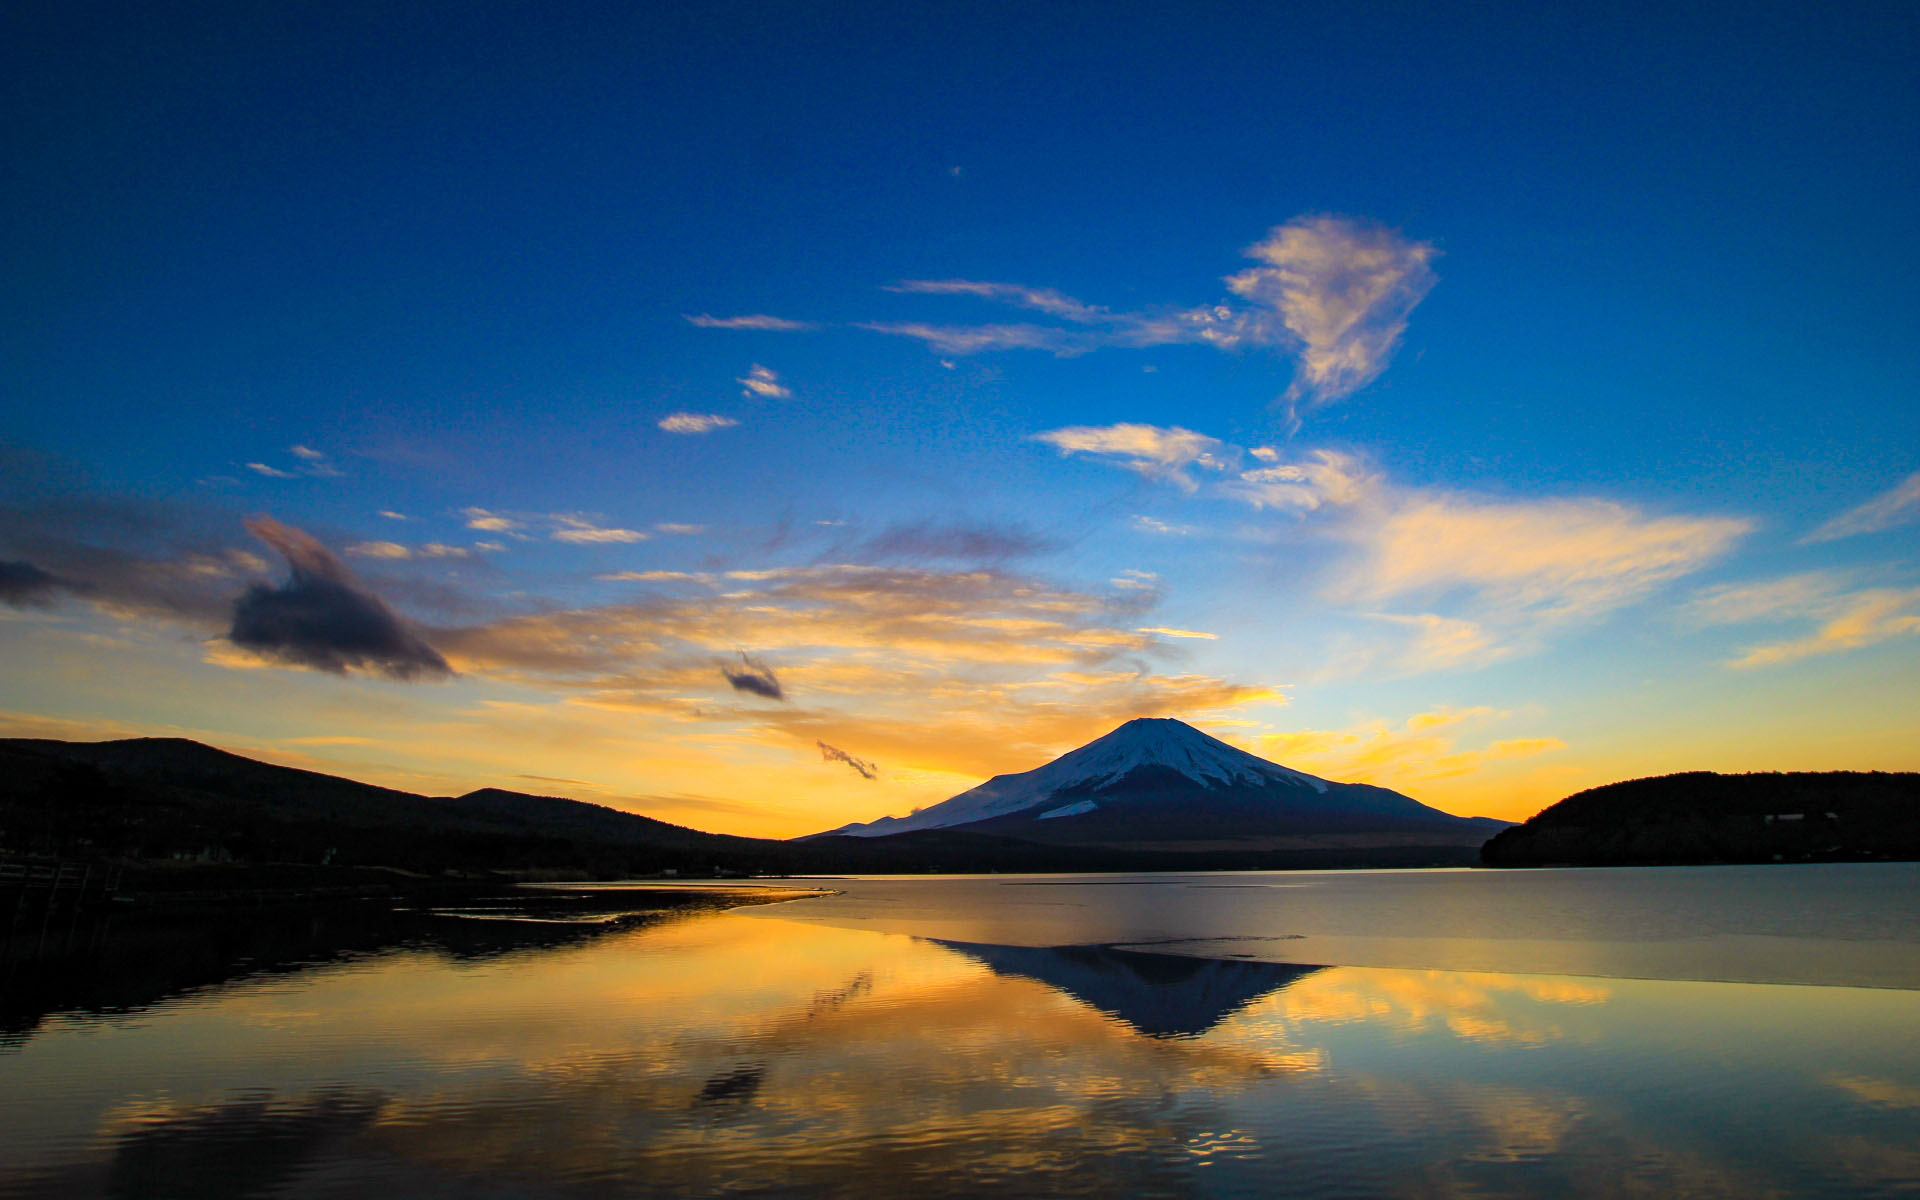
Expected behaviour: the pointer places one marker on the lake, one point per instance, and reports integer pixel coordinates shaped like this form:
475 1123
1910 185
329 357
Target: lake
1736 1031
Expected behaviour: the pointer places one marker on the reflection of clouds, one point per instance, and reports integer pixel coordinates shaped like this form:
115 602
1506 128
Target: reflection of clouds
1506 1141
248 1145
1881 1093
1480 1007
1871 1165
780 1057
908 1082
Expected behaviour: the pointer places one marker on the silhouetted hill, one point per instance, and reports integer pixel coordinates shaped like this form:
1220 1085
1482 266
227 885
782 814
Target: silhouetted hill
1702 817
174 798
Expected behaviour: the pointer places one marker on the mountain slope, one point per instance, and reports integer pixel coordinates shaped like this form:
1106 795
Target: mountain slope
1161 781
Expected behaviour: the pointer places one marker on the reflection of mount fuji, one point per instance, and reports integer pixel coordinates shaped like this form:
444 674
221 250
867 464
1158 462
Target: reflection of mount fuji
1161 995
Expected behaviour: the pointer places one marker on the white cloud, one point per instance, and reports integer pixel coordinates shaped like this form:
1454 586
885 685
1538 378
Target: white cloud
1806 594
390 515
658 577
1487 576
753 321
380 550
677 528
1332 292
974 339
1550 559
489 522
396 551
1899 505
1845 617
764 383
580 531
1153 451
1342 289
1044 300
1401 757
1154 525
1327 477
686 422
1442 643
1863 618
313 463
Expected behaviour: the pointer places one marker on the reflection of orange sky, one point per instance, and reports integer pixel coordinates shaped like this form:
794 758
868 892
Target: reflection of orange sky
1477 1006
791 1056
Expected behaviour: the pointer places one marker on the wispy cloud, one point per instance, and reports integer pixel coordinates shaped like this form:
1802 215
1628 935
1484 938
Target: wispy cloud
755 677
763 382
580 531
861 766
310 462
1162 631
1442 643
687 422
1549 558
127 556
1899 505
397 551
1423 747
1520 560
1154 451
751 321
1342 289
1044 300
932 541
1155 525
660 577
314 462
1322 478
1506 568
324 618
977 339
1845 616
490 522
679 529
1333 293
976 616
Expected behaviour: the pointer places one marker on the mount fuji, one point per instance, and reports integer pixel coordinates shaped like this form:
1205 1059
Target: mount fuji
1158 783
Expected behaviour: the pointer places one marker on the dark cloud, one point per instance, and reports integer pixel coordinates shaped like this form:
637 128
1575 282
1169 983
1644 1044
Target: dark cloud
836 754
24 585
323 617
756 677
928 540
138 555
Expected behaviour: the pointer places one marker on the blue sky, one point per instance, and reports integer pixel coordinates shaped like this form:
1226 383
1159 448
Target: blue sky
1519 399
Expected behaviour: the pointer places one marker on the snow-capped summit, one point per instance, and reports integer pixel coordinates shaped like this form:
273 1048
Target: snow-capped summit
1155 779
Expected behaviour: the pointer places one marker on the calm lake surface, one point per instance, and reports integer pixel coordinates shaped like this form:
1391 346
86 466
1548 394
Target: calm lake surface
1681 1031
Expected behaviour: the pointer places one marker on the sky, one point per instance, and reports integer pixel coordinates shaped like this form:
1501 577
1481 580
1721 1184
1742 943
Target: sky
766 416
